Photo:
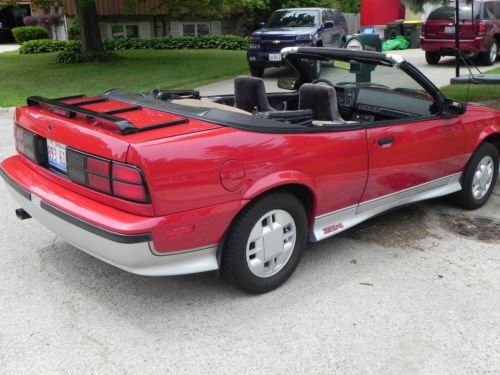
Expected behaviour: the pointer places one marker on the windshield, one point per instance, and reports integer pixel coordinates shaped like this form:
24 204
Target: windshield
293 18
448 12
356 74
368 88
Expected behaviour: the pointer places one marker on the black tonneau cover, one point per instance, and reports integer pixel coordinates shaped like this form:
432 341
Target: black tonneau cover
224 118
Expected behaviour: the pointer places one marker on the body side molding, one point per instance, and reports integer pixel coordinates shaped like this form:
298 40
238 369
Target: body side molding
333 223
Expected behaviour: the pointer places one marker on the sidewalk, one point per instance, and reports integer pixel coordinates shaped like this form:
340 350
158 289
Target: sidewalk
8 47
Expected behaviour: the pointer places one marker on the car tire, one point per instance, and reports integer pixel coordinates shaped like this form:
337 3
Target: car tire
432 58
316 69
489 57
249 260
479 178
257 71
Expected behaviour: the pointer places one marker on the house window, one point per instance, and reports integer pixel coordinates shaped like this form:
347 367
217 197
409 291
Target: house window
195 28
119 31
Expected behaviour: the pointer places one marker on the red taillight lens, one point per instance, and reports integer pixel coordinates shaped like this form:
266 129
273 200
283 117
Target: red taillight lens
99 183
129 191
128 182
98 166
481 28
422 30
126 174
121 180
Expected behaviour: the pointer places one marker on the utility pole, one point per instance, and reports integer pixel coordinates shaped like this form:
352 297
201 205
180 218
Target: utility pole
457 39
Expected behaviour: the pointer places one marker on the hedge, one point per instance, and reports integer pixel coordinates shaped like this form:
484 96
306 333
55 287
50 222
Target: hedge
70 56
228 42
47 45
26 33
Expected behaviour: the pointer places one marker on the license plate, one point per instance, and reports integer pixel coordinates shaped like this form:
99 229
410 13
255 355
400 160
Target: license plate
449 29
57 155
275 57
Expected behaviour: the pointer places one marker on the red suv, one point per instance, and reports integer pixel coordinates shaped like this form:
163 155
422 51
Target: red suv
480 37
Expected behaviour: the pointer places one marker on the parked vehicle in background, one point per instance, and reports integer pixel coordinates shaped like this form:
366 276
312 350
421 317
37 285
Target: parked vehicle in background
301 27
479 31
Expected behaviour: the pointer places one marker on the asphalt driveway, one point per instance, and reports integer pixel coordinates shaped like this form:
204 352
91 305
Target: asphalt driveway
404 293
439 74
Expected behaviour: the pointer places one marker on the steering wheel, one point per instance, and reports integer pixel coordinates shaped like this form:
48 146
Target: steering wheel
323 80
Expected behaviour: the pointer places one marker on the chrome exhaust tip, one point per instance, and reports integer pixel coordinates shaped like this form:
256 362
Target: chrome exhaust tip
22 215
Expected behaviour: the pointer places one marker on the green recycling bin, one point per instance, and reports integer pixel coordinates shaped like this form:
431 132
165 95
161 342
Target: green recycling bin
364 42
394 29
411 31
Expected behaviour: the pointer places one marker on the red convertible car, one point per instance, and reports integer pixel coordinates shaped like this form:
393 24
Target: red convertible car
169 182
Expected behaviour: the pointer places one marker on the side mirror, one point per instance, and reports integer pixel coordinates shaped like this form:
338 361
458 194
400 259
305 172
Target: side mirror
329 25
261 25
455 108
287 83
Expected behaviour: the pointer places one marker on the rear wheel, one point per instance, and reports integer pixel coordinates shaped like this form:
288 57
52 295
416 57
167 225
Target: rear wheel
432 58
256 71
265 243
479 179
489 57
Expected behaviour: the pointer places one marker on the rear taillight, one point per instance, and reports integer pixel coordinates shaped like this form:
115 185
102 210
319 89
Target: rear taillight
121 180
422 30
481 28
31 145
128 182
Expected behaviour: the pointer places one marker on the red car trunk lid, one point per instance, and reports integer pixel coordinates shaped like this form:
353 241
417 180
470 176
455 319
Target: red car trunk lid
102 138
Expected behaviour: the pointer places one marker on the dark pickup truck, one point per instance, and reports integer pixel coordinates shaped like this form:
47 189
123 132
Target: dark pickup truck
296 27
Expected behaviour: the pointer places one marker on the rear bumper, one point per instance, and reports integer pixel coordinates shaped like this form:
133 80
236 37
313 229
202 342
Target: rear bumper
132 252
447 46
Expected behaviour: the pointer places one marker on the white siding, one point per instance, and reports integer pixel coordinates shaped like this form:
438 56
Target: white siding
175 28
216 28
144 30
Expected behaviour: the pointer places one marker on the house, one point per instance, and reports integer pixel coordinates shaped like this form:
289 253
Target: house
149 20
12 16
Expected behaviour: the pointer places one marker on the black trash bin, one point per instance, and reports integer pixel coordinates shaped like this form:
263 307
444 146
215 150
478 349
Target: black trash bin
411 31
394 29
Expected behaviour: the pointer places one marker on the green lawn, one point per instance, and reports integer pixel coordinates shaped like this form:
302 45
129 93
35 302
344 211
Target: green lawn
139 70
473 92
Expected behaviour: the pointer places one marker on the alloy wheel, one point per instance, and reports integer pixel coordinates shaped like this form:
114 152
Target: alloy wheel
271 243
493 52
483 177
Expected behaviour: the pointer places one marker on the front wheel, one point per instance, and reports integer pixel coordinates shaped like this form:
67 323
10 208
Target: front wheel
256 71
479 178
265 243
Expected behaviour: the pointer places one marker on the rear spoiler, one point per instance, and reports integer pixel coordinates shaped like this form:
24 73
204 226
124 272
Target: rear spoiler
71 110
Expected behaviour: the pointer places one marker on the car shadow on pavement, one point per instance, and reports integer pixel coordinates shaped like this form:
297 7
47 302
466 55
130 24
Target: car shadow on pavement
117 291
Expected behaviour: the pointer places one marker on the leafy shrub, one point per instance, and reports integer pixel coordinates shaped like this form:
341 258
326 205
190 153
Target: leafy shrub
228 42
48 45
74 28
45 20
26 33
71 56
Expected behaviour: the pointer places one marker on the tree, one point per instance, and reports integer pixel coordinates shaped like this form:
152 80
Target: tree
418 5
90 35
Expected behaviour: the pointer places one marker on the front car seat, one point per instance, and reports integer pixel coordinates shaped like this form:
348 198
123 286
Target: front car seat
322 100
250 95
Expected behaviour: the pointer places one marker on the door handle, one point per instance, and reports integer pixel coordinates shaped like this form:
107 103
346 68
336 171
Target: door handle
386 141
